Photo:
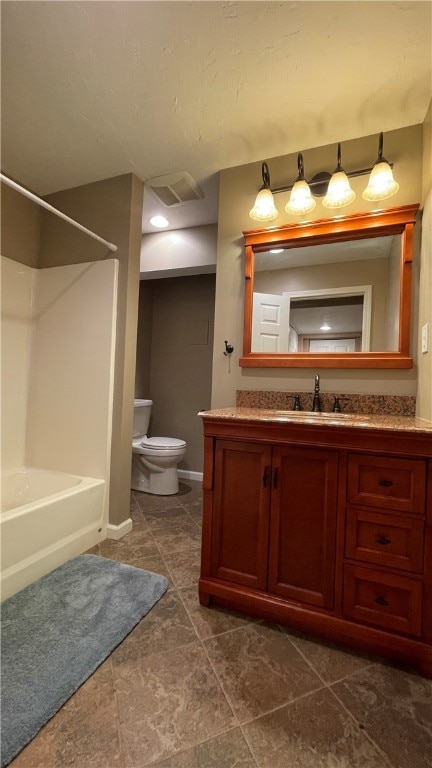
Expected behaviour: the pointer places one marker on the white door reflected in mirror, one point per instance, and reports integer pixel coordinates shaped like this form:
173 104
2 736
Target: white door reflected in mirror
329 320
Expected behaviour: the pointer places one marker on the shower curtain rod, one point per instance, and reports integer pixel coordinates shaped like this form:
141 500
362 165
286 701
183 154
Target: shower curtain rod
51 208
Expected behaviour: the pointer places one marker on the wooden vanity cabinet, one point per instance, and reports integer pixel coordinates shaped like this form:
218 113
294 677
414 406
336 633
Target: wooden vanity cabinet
325 529
274 519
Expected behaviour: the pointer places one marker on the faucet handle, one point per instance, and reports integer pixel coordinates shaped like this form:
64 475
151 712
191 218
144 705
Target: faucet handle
297 404
337 403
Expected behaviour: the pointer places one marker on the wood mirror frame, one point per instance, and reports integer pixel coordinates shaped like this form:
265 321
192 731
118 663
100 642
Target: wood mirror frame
392 221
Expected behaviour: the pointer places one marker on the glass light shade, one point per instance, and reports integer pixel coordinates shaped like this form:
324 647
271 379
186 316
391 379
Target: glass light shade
264 208
381 183
301 200
159 221
339 191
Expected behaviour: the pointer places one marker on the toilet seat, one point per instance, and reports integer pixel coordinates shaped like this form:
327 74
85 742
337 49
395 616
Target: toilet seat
158 446
162 443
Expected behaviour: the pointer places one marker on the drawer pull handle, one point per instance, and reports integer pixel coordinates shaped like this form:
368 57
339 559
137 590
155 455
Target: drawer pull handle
386 483
266 476
381 601
276 478
383 540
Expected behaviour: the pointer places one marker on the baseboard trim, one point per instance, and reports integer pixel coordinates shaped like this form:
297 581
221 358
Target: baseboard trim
185 474
118 531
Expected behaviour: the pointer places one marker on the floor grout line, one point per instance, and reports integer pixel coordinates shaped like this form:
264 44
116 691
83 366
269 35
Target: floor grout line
361 727
329 688
117 718
198 744
228 700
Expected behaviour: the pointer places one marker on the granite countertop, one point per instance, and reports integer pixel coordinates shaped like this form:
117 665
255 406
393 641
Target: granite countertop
361 421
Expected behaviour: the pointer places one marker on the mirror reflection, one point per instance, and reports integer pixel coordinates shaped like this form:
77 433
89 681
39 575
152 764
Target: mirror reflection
335 297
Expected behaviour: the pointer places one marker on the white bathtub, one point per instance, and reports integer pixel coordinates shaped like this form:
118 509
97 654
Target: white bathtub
47 518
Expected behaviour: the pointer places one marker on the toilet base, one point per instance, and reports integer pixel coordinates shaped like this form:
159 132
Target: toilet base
159 483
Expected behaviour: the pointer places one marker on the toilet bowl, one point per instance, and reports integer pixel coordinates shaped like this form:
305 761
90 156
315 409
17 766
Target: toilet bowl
154 459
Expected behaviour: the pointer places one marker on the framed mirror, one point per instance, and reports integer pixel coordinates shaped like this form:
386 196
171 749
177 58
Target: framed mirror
334 293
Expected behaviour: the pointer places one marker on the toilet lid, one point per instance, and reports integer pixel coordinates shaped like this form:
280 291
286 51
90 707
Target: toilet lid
162 442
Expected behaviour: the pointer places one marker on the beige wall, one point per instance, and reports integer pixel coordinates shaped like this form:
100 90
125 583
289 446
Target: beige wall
113 209
180 362
144 339
190 251
20 227
424 395
238 188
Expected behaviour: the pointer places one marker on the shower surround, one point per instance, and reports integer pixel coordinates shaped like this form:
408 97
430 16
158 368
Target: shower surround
58 336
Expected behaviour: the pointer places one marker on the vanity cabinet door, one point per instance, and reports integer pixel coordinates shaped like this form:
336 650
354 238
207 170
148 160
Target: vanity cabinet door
303 525
240 519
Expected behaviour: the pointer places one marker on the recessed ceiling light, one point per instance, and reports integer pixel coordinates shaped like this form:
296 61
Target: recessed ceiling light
325 327
159 221
276 250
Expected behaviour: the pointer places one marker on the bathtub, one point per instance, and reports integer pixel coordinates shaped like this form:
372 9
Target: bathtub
46 518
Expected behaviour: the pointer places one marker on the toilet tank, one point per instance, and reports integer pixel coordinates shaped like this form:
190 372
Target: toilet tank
142 409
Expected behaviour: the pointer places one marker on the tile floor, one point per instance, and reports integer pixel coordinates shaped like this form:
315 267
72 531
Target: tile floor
193 687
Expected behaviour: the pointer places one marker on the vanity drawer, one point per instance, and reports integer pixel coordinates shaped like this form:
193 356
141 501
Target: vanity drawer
394 541
387 483
383 599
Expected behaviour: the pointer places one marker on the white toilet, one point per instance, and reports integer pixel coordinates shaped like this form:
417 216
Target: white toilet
154 459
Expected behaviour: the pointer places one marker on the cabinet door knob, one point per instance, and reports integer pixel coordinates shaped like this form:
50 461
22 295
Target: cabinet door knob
381 600
386 483
276 478
383 540
266 476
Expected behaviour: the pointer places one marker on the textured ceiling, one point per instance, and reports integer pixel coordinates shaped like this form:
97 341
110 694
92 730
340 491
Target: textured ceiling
96 89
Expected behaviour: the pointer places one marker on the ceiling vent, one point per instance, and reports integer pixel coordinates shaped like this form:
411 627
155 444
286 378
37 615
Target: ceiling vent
175 188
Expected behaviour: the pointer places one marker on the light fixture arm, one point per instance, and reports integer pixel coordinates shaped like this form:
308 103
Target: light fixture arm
380 158
339 158
300 166
265 176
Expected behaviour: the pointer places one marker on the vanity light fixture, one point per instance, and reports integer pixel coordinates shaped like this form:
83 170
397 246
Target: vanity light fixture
301 200
276 250
159 221
264 208
381 182
334 188
339 193
325 327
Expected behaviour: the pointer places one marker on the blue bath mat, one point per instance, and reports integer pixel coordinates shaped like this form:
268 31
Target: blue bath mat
57 631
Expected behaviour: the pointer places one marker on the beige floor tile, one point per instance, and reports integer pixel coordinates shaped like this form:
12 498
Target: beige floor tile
194 510
395 708
331 662
184 566
227 751
312 732
159 519
210 621
148 501
189 490
167 702
165 627
132 549
178 537
259 669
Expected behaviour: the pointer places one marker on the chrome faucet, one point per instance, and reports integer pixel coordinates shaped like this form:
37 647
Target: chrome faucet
316 405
